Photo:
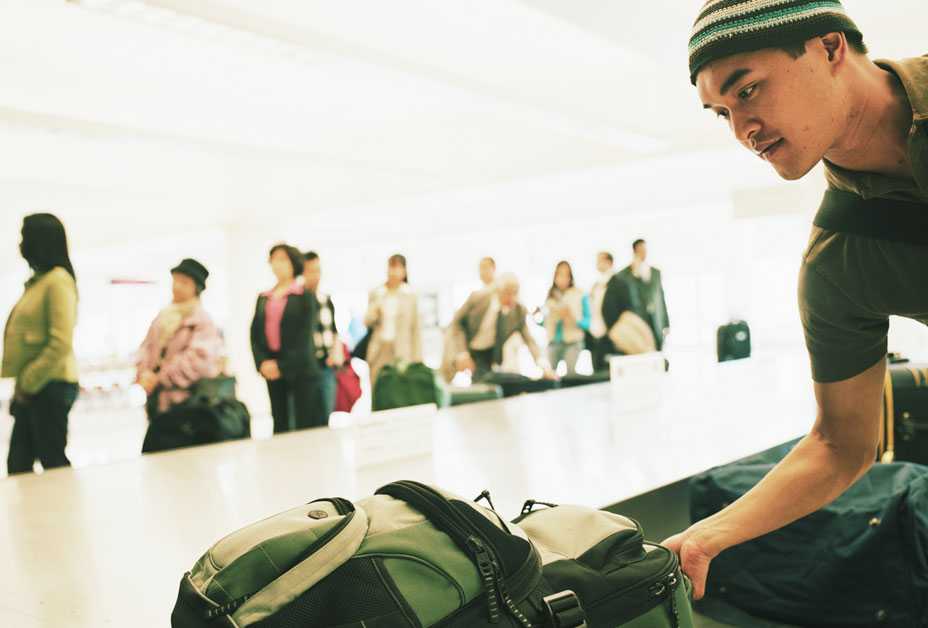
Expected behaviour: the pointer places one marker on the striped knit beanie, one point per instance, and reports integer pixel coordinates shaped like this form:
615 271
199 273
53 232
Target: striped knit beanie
728 27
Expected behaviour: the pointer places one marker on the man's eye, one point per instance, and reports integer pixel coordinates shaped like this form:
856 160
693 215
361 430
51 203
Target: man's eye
747 92
722 114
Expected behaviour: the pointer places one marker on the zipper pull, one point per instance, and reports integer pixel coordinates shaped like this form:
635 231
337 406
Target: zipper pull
487 570
667 588
530 504
485 495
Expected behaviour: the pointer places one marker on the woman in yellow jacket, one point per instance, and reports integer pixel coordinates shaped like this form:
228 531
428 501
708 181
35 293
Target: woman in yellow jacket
38 349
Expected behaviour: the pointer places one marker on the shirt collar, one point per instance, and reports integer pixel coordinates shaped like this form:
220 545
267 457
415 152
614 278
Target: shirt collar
913 74
295 288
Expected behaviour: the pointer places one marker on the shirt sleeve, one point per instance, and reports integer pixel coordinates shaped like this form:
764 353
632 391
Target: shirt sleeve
843 338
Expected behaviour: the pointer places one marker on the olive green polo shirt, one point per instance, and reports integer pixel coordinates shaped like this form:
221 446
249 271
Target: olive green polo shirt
849 285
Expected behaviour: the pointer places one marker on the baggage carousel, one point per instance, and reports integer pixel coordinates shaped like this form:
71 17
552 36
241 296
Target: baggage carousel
106 545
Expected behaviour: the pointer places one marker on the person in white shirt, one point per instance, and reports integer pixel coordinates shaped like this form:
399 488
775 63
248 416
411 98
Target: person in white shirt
488 272
596 340
393 318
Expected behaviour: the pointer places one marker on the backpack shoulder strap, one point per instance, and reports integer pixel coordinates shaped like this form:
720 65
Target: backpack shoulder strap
878 218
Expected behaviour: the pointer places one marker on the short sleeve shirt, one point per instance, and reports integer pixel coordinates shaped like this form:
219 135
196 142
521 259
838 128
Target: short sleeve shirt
849 285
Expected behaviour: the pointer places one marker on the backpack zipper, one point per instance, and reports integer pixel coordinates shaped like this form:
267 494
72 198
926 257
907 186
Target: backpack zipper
470 538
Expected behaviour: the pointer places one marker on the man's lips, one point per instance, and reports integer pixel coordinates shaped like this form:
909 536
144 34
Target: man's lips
765 149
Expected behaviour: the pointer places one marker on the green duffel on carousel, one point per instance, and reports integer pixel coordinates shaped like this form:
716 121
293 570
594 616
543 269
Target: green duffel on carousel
414 556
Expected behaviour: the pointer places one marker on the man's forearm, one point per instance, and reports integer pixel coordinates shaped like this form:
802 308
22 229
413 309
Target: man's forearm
813 475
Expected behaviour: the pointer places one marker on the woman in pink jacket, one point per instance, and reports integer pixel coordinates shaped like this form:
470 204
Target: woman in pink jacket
183 344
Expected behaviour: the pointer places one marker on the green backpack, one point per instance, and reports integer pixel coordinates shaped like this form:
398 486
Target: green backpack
405 384
413 556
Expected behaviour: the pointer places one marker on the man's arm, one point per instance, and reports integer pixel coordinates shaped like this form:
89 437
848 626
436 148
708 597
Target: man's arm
840 448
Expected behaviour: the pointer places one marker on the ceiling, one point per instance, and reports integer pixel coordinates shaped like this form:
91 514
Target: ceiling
166 112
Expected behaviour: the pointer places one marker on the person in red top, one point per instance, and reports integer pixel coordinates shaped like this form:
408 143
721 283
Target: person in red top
283 347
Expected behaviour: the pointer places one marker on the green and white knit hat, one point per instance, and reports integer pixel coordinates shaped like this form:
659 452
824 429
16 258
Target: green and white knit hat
728 27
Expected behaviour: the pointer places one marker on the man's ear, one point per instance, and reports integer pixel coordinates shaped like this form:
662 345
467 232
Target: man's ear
835 46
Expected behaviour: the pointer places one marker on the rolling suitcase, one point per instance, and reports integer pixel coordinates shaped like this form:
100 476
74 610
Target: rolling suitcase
905 413
733 341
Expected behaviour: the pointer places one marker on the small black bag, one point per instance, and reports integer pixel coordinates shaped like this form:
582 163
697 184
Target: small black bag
733 341
514 384
360 349
211 414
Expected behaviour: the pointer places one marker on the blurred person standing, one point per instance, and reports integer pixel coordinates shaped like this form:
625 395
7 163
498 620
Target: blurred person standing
566 318
183 345
647 283
487 273
393 320
38 349
282 344
596 340
330 353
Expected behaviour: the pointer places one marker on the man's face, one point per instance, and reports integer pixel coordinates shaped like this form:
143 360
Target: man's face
183 288
487 271
785 110
603 264
641 252
312 273
508 296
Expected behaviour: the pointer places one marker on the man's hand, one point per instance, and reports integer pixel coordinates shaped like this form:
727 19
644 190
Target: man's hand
464 362
148 381
20 397
270 370
695 556
549 374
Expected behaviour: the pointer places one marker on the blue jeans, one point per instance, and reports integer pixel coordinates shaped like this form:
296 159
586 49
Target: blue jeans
329 385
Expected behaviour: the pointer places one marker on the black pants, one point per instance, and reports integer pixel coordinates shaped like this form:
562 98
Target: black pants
297 404
600 349
483 363
40 429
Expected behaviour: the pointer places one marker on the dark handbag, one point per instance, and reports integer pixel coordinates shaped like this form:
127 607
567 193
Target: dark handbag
360 349
211 414
733 341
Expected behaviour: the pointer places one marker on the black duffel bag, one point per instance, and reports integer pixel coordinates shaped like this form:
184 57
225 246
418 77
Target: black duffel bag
861 561
905 413
211 414
514 384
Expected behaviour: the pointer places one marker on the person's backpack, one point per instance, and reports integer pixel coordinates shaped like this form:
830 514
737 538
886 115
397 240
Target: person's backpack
402 385
212 414
858 562
413 556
